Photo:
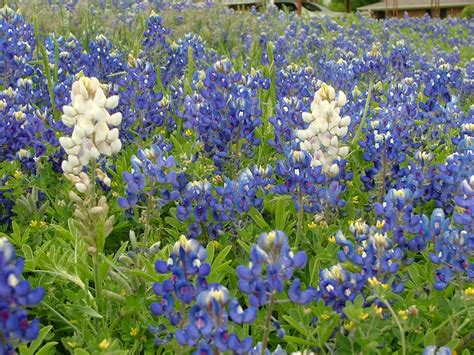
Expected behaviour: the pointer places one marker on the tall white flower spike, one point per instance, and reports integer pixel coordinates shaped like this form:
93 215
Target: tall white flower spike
91 122
322 139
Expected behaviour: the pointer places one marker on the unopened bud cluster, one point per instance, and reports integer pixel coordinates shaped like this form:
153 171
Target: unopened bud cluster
87 214
322 138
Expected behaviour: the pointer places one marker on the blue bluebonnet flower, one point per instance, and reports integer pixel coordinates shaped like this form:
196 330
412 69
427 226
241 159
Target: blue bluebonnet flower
434 350
15 294
199 204
271 266
464 215
203 319
338 286
17 41
305 183
374 254
153 172
452 248
225 114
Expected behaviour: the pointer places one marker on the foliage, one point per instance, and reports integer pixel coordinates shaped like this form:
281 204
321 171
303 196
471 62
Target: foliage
183 178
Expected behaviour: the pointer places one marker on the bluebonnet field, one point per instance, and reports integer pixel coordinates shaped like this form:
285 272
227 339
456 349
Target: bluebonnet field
188 179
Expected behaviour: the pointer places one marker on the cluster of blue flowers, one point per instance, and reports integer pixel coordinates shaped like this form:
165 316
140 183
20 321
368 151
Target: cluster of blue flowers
152 174
200 311
225 114
15 294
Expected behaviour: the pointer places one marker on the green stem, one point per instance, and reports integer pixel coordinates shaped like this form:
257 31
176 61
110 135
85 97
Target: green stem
366 110
147 221
267 324
400 327
299 226
96 255
98 282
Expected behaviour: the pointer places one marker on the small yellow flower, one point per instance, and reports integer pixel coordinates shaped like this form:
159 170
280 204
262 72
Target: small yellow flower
349 326
380 224
188 132
18 174
43 224
355 199
216 244
307 310
403 314
115 194
134 332
332 239
325 316
123 293
312 225
363 316
385 286
58 134
34 223
104 344
373 281
469 292
378 311
72 344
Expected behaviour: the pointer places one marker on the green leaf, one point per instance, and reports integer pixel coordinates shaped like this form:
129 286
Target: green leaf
296 325
327 329
210 252
45 349
429 338
281 214
35 344
221 256
86 310
258 218
299 341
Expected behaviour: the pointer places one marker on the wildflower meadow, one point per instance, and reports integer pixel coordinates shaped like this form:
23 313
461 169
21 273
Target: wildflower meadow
193 179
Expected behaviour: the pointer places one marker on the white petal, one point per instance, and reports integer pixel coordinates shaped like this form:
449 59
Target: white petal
115 119
112 102
100 98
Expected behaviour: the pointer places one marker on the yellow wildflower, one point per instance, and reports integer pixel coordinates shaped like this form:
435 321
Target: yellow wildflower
469 292
104 344
312 225
349 326
403 314
363 316
72 344
18 174
373 281
325 316
134 332
378 311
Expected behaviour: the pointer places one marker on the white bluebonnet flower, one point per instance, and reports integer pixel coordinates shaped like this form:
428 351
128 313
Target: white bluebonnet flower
322 138
89 117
